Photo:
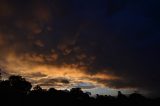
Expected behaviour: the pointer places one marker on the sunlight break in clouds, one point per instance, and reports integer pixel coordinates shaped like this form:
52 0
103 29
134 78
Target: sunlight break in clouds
49 75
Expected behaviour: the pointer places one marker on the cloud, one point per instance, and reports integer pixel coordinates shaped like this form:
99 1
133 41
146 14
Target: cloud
54 82
2 40
57 80
35 75
115 38
85 86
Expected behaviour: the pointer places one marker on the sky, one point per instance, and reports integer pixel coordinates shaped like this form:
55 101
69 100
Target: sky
102 46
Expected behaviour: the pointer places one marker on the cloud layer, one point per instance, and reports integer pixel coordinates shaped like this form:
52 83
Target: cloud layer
119 39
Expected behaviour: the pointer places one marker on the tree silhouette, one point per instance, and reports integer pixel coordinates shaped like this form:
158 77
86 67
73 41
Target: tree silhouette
19 84
18 92
37 88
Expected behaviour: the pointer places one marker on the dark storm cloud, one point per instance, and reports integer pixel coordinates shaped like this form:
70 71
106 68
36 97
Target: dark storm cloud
35 75
107 34
135 56
54 82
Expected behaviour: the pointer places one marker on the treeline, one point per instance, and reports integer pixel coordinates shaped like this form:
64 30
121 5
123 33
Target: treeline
17 91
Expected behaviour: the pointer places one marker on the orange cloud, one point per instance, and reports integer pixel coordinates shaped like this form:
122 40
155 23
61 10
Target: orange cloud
27 66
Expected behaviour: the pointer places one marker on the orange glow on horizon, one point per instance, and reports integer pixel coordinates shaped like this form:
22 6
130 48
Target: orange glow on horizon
20 66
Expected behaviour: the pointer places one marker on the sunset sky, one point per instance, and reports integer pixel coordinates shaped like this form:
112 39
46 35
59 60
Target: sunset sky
101 46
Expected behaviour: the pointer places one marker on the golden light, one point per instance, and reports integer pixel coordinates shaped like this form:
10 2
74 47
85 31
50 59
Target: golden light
26 66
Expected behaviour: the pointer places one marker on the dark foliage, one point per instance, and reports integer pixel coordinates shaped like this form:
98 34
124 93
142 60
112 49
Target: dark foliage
17 91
